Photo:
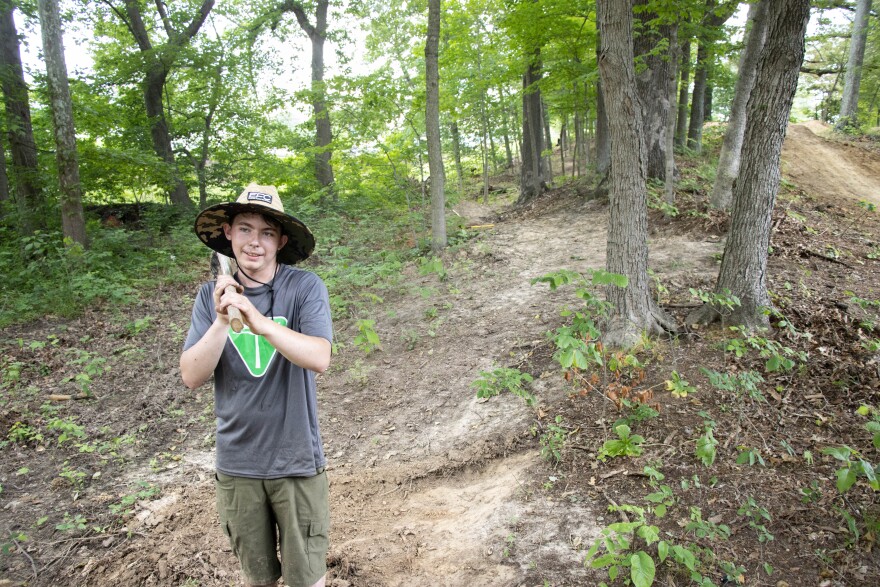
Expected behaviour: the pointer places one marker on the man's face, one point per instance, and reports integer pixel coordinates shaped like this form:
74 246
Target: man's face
255 242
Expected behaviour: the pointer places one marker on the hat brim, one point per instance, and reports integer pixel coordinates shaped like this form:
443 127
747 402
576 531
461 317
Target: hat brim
209 228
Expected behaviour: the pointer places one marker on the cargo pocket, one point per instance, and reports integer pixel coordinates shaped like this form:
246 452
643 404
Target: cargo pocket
225 488
318 544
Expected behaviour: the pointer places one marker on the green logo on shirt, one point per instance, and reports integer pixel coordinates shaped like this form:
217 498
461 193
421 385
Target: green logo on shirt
254 349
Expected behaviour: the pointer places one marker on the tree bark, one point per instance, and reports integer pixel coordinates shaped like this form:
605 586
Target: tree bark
25 172
744 265
548 141
603 135
672 93
684 84
698 101
531 177
728 162
72 220
652 85
508 152
633 311
432 129
159 61
849 104
4 178
456 153
317 34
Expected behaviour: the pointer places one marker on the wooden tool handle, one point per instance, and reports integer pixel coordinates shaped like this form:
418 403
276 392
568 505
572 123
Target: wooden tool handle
235 320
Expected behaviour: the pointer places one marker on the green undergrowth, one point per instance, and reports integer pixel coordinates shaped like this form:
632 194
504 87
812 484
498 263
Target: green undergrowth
46 275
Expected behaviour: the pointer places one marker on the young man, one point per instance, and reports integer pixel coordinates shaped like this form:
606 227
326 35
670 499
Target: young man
272 491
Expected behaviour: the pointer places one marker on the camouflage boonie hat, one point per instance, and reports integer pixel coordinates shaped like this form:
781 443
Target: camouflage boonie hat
261 199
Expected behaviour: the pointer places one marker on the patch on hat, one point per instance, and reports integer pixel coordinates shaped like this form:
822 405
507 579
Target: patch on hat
259 197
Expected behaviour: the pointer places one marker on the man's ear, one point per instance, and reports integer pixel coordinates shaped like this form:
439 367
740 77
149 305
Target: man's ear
227 231
283 241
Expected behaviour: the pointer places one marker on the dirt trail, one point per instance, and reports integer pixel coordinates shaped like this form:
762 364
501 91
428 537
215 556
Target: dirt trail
829 168
426 480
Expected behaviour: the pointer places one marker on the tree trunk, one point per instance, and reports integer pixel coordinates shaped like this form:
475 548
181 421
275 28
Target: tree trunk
317 33
548 141
707 102
491 136
669 164
531 177
484 150
4 178
159 61
508 153
744 265
728 162
603 135
25 173
432 129
849 104
72 221
632 309
652 85
698 101
684 84
456 153
563 145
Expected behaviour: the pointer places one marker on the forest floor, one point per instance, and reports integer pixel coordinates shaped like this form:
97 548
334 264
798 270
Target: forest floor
431 485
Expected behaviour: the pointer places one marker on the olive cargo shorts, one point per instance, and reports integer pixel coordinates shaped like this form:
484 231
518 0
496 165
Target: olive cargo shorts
261 515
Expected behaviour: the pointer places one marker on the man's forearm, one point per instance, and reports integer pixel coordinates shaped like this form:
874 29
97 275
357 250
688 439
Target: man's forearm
308 352
198 362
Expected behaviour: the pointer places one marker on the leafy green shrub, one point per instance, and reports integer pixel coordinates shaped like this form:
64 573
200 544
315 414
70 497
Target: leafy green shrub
625 445
367 338
492 383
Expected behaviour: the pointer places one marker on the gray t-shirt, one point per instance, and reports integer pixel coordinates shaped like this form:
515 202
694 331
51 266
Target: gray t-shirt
266 407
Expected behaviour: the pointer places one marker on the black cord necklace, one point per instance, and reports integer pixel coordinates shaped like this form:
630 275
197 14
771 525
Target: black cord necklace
270 285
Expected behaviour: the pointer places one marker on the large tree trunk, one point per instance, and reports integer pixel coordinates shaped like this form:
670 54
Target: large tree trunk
633 310
684 84
531 177
72 221
849 104
25 173
728 162
603 135
744 266
652 85
323 131
432 129
159 61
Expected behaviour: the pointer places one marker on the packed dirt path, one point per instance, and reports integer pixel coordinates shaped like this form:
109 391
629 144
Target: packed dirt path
426 477
429 484
831 168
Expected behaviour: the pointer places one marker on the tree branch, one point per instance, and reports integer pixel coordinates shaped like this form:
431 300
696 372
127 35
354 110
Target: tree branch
169 30
821 70
301 18
136 25
196 24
